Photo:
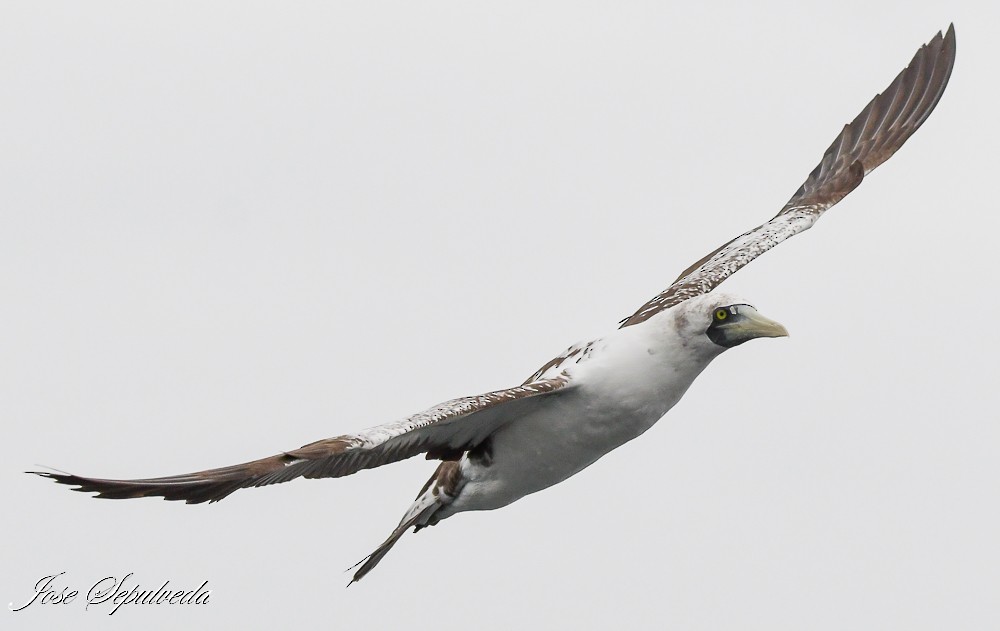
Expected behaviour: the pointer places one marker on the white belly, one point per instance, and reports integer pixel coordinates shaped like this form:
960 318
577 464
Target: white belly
620 394
543 449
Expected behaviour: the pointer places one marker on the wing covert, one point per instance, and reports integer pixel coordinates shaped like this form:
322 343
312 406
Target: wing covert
453 426
866 142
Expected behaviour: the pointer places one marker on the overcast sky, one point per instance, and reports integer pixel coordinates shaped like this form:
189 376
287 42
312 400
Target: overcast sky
228 229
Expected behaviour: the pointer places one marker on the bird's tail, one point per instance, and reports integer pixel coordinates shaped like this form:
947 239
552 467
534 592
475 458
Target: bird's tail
437 493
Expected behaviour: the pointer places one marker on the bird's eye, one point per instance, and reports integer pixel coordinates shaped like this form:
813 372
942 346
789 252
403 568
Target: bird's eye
721 314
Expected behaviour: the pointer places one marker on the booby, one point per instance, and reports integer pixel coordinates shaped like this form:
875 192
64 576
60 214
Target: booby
500 446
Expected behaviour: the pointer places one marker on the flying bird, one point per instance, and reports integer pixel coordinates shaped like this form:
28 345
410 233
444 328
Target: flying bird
500 446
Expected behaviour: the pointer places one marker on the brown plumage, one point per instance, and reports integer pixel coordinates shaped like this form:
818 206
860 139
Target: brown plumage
444 485
435 430
866 142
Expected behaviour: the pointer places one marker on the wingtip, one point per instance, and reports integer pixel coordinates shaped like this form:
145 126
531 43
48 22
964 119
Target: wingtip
944 43
67 479
57 477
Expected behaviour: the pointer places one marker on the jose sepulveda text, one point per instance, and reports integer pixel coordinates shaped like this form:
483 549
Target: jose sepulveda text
111 592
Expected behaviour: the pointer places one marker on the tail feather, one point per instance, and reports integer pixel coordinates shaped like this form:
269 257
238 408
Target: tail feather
369 562
439 491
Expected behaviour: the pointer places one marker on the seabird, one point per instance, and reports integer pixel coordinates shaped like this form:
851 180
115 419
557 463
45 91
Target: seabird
498 447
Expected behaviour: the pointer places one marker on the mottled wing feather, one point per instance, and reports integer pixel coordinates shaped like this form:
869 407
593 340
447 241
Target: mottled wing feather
459 424
869 140
555 366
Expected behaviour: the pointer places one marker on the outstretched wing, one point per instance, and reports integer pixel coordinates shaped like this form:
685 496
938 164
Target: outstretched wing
868 141
444 430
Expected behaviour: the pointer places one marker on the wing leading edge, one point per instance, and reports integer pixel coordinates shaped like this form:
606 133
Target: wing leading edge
448 428
866 142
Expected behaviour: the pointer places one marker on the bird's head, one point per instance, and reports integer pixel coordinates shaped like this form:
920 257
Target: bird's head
720 321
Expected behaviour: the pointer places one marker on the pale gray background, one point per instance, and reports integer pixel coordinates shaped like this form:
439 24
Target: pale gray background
232 228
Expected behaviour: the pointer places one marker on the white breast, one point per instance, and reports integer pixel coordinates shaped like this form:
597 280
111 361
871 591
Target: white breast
622 385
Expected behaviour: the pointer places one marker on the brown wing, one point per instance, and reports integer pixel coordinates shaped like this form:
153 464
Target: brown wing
866 142
452 426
